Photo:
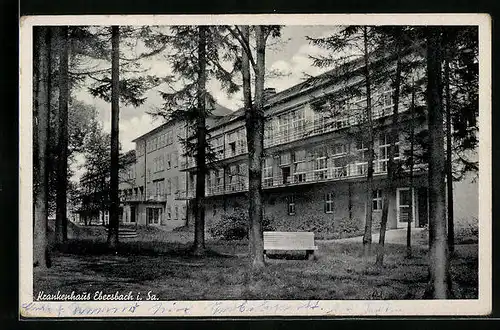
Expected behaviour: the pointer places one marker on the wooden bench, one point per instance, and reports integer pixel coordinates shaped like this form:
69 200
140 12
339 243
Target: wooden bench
290 241
125 232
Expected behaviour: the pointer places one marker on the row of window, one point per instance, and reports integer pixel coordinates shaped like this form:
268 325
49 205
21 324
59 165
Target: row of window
328 206
159 187
169 186
323 115
165 161
155 215
319 163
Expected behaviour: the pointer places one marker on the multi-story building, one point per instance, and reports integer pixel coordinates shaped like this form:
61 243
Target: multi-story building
155 193
315 164
94 198
316 157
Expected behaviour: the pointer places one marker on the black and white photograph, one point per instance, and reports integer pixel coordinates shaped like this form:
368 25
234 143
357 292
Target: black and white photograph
255 165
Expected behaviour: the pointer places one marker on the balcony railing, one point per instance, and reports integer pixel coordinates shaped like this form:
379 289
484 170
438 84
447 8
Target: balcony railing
322 126
132 198
354 170
307 129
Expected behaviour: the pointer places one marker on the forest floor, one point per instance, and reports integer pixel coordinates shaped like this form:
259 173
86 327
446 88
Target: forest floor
164 267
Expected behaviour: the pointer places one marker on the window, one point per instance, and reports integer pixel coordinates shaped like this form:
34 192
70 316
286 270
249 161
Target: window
300 166
320 164
242 176
383 155
176 212
169 186
218 147
153 215
169 137
175 185
361 162
291 205
269 131
161 142
298 122
241 141
231 139
159 186
285 158
386 101
320 118
232 178
329 203
161 163
267 172
215 180
169 212
184 212
169 161
339 149
175 159
377 200
182 183
284 127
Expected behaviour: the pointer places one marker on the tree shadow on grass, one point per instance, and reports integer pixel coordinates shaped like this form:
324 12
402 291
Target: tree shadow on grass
87 247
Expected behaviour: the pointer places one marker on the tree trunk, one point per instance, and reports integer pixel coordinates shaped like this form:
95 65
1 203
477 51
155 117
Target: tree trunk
439 286
62 143
115 113
201 170
255 133
449 169
393 136
412 147
367 238
42 102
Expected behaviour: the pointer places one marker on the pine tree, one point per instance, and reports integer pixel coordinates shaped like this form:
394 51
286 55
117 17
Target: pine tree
439 286
61 226
396 34
254 123
42 57
354 42
201 143
403 46
115 113
196 57
114 86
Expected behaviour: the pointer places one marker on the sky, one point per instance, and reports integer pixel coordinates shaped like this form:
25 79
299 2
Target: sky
289 56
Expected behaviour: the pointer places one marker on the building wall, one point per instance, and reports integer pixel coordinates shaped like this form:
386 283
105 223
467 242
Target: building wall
310 213
159 183
465 202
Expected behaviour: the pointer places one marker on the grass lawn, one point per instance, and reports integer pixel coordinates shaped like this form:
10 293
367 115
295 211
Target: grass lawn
164 267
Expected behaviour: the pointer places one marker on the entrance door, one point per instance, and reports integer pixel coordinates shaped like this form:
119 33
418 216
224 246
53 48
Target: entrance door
132 214
403 198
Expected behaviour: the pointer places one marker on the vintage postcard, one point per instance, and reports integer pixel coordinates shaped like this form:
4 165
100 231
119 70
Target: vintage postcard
255 165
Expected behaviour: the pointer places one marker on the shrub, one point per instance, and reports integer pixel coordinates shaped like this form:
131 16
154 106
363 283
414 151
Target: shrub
322 228
234 226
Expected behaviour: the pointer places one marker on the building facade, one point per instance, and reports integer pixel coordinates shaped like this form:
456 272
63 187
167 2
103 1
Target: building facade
153 193
314 168
315 163
94 195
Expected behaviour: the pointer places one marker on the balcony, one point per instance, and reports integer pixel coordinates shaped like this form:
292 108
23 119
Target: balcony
351 171
160 198
324 125
132 198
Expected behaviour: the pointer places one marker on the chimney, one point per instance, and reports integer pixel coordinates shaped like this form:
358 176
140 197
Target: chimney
268 93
